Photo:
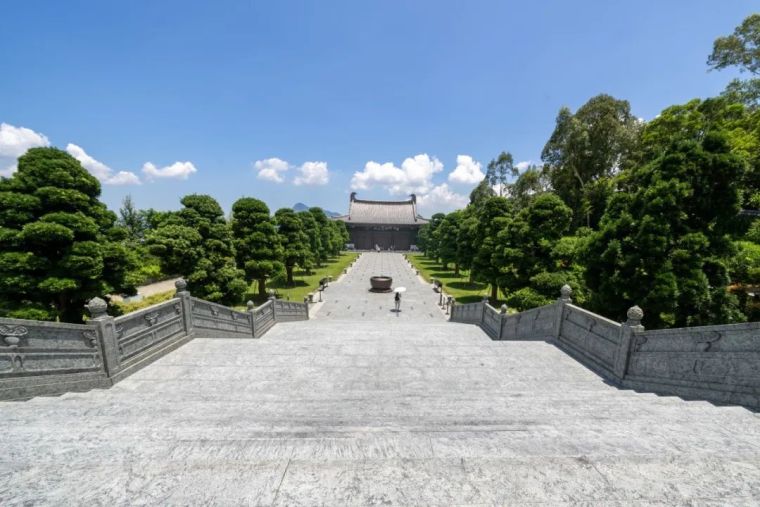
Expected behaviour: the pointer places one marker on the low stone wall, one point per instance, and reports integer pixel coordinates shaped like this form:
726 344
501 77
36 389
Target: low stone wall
471 313
720 364
590 338
211 320
48 358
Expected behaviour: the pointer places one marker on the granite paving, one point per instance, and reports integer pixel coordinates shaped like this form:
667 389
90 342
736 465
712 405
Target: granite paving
363 406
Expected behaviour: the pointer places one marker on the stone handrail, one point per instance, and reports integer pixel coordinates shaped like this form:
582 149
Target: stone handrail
46 358
720 364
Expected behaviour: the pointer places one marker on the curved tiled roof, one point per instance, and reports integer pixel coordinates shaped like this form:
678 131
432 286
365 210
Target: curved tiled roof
383 212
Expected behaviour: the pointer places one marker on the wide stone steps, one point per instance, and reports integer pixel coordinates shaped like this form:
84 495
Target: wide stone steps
352 409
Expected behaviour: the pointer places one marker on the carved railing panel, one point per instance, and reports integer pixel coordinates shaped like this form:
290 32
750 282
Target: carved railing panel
728 354
287 311
140 332
590 334
263 318
491 321
218 319
30 347
536 323
470 313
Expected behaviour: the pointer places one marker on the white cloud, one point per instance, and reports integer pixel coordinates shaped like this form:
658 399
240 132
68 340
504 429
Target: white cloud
271 169
14 141
178 170
522 166
312 173
441 198
123 178
101 171
415 176
467 171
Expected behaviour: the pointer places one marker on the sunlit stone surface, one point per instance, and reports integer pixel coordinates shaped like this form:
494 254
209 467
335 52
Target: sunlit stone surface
365 406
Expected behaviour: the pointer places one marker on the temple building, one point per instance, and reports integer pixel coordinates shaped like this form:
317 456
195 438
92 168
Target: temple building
387 224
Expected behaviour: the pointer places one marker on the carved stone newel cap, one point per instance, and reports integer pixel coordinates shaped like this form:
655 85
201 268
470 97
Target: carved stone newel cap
635 314
180 284
503 308
96 307
249 305
566 291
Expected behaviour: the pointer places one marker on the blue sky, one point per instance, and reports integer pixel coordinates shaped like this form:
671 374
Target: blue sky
187 97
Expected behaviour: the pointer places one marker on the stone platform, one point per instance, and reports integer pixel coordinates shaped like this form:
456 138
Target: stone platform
362 406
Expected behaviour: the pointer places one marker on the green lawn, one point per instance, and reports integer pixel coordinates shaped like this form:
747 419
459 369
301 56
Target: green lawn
143 303
458 286
309 283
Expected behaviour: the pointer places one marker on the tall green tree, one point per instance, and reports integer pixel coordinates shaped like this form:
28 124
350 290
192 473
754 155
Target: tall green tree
428 237
691 121
257 244
131 219
197 243
466 239
448 233
493 216
339 236
586 148
524 249
663 239
740 49
481 193
311 228
532 182
294 240
325 234
60 245
498 172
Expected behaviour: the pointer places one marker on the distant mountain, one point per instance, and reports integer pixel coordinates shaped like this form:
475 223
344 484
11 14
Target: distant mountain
299 206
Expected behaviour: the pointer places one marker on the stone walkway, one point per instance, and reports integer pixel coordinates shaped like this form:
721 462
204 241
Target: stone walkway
352 299
374 409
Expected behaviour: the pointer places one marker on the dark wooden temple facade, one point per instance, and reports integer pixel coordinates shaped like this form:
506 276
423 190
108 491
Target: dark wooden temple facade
387 224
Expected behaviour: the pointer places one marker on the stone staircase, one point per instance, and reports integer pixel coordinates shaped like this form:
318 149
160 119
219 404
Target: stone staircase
381 411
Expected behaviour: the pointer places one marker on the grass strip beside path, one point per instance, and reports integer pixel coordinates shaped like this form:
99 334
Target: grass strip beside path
305 283
458 286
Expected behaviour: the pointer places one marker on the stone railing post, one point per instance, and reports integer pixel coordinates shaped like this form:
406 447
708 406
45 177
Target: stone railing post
628 331
565 298
453 305
483 304
273 299
251 316
503 312
105 331
187 307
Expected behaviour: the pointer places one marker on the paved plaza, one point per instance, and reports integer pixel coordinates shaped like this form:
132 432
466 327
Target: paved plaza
363 406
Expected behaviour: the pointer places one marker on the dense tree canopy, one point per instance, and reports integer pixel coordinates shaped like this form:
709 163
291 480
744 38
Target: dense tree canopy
493 216
196 242
257 244
586 149
740 49
499 171
663 238
295 242
60 246
524 248
447 239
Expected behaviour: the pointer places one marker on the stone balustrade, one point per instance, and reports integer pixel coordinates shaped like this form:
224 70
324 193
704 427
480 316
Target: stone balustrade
715 363
46 358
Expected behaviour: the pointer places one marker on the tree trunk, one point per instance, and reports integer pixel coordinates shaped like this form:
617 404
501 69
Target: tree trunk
456 269
494 293
262 286
289 271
